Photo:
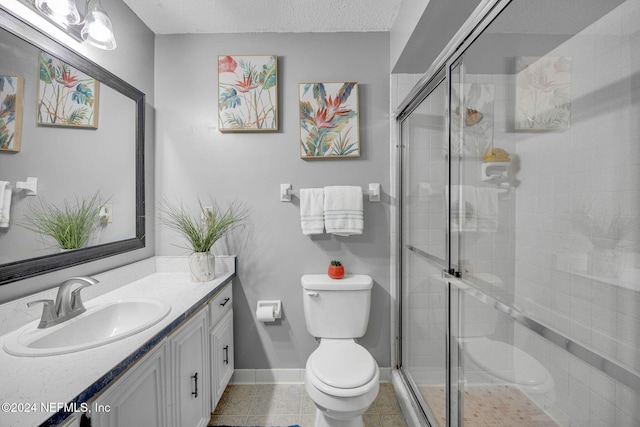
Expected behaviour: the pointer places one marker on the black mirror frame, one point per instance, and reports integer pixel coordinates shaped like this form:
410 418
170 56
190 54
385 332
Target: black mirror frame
19 270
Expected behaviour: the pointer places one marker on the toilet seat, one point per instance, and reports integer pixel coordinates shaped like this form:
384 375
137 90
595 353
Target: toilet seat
341 367
506 362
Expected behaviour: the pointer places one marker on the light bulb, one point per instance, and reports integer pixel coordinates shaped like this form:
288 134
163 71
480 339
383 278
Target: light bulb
62 11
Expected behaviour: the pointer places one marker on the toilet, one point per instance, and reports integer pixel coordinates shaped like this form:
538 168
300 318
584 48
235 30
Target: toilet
341 376
490 361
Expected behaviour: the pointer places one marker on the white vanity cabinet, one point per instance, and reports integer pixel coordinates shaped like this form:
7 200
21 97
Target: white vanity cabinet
138 398
221 343
190 372
179 382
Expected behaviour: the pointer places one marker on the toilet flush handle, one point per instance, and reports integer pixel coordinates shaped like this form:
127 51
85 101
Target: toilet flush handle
312 293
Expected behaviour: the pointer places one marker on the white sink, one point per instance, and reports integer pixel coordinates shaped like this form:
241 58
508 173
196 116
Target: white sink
101 324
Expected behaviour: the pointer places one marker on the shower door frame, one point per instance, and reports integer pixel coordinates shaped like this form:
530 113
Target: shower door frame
451 56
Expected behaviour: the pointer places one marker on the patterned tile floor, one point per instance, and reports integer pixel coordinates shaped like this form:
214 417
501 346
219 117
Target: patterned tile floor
494 406
288 404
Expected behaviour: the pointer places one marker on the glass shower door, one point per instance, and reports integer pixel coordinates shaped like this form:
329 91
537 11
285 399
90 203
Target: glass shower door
424 252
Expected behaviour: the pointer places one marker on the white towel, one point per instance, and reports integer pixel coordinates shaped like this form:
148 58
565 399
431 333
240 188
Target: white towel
487 209
343 210
311 210
464 216
5 203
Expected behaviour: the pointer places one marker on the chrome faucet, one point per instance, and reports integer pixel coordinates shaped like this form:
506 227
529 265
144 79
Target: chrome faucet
68 302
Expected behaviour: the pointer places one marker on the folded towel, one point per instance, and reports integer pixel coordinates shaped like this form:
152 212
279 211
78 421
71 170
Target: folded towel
5 203
311 210
343 210
487 209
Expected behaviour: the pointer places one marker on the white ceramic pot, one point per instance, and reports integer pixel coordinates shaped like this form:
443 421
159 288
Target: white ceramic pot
202 265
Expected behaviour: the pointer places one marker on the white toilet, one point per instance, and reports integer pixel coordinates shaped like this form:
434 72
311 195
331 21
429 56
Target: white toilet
489 361
341 377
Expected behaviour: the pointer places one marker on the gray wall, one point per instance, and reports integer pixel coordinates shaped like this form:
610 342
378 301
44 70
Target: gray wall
133 61
194 159
437 26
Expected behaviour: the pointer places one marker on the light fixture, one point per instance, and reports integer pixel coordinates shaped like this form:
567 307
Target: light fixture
97 29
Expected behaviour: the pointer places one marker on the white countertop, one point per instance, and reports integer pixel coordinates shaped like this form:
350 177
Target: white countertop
29 383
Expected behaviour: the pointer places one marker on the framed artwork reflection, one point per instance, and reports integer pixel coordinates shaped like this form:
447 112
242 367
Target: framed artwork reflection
11 97
543 93
66 96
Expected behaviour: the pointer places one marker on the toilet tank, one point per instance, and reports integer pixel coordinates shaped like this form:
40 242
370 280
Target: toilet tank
336 308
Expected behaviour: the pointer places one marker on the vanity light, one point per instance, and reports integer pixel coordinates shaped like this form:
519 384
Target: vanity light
97 29
62 11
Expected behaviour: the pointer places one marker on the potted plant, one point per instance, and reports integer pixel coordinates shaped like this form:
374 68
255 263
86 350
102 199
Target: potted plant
201 232
70 225
336 270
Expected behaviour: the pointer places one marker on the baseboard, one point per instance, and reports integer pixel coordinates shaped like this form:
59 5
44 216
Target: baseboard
282 376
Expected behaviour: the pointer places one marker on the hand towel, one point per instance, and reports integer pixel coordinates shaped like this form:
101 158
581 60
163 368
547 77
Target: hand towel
464 217
311 210
5 203
343 210
487 209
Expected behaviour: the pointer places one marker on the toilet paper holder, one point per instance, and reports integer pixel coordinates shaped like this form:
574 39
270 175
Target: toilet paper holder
274 307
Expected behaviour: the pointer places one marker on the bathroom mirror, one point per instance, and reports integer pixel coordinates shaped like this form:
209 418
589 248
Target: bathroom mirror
70 162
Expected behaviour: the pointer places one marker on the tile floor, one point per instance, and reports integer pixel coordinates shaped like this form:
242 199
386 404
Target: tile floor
288 404
494 405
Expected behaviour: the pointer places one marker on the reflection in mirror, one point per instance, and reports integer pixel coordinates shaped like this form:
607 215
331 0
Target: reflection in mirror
95 146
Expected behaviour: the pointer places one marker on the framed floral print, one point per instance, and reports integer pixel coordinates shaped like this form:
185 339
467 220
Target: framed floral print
66 96
543 93
11 95
247 93
329 120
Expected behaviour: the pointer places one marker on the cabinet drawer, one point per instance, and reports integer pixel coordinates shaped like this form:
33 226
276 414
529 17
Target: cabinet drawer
220 305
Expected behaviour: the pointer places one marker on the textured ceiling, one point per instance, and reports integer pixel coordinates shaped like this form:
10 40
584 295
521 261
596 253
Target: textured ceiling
251 16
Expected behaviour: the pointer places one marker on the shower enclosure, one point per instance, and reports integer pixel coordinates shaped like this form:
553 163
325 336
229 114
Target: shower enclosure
519 220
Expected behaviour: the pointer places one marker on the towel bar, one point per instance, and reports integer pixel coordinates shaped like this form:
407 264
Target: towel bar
286 191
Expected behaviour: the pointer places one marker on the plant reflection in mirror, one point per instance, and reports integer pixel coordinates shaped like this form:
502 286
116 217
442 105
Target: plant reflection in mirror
69 224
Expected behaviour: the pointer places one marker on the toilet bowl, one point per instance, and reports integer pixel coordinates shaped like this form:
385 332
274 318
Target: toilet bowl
341 377
496 362
488 361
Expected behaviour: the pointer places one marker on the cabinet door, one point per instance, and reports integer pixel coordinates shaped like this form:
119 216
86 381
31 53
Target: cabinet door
190 373
138 398
221 356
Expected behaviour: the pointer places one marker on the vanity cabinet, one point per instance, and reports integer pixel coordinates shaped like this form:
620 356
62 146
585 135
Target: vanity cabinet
221 343
138 398
179 382
190 372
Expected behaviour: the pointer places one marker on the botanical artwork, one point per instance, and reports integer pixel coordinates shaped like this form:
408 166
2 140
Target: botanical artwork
66 96
476 120
329 120
543 93
11 94
247 93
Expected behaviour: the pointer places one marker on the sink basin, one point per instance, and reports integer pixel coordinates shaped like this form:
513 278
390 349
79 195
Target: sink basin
101 324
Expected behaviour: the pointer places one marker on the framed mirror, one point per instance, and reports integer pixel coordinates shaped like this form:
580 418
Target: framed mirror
72 163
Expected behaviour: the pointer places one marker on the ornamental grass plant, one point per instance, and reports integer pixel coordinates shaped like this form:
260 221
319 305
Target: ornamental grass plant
204 229
69 224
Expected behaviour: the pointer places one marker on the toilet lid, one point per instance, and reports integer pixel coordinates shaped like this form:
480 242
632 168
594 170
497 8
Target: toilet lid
342 364
506 361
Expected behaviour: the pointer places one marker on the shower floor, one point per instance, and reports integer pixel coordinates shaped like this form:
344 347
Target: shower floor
491 405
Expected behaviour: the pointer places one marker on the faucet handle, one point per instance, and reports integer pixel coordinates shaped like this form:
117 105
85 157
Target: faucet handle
76 299
48 311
